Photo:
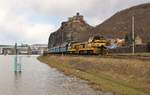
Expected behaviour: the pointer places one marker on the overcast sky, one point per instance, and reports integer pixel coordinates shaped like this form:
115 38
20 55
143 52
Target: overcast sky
32 21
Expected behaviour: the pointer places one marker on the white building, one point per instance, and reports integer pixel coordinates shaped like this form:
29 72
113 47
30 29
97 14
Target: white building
38 48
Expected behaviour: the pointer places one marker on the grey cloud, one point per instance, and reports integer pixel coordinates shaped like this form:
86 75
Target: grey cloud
15 14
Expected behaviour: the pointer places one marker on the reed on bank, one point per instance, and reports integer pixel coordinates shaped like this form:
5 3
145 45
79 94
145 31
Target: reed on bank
121 76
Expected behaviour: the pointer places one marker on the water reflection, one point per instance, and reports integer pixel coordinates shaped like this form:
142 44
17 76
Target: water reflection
37 78
17 82
17 79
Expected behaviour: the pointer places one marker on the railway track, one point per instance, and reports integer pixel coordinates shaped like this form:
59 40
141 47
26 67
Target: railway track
117 56
139 57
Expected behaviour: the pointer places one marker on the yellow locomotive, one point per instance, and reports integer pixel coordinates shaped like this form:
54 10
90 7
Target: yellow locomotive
95 45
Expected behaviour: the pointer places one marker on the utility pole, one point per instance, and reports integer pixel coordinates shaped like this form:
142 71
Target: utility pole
133 37
62 43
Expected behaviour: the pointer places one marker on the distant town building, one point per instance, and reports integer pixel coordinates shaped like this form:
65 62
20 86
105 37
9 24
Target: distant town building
38 48
23 49
128 40
7 49
138 40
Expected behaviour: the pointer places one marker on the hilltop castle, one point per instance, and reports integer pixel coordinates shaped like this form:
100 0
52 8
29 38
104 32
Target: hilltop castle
74 29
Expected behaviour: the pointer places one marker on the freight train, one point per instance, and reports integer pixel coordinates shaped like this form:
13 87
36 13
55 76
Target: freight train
95 45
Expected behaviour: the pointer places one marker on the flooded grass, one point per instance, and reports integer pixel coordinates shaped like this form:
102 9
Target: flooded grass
121 76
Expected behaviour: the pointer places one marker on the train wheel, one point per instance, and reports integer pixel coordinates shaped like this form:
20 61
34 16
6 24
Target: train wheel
81 52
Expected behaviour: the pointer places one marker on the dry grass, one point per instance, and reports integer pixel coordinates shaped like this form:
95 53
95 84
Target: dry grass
123 76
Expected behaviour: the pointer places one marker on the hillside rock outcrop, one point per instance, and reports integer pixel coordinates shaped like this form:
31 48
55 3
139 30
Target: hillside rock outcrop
120 24
75 29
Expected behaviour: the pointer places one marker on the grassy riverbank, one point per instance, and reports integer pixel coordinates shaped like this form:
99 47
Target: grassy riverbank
121 76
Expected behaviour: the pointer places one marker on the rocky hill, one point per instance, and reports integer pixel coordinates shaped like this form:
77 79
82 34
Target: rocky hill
120 24
75 29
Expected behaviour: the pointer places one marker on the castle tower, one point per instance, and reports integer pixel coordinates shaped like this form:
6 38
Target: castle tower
78 14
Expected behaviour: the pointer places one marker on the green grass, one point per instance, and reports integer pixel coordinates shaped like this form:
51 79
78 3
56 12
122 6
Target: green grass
100 78
136 54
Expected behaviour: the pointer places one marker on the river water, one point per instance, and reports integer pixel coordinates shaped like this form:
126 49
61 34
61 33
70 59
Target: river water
39 79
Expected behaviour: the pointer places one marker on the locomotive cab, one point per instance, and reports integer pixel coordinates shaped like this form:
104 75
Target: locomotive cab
98 44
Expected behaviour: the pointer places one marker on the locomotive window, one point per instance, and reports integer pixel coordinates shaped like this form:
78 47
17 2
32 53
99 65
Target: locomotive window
83 45
98 38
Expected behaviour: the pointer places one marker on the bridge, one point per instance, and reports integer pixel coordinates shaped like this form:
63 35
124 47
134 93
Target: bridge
10 49
6 49
23 49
